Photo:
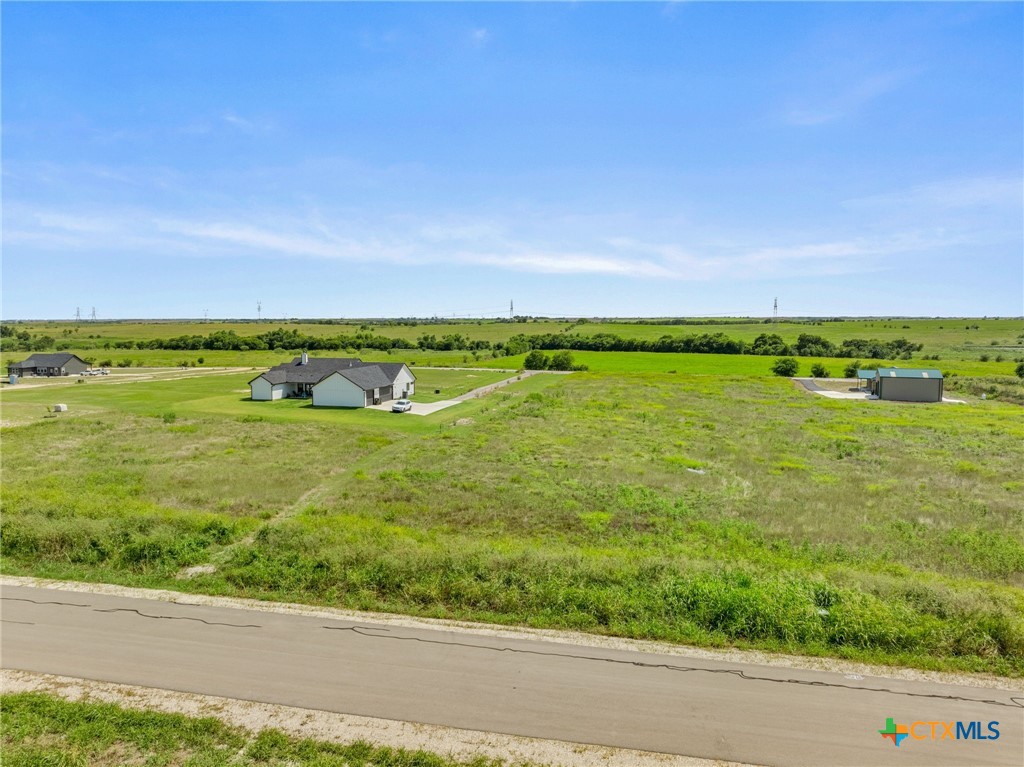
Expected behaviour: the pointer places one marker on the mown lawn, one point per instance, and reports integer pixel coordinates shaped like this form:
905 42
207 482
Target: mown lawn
45 730
715 510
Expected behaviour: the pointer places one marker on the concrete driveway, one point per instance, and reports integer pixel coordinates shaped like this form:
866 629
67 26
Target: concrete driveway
419 408
426 408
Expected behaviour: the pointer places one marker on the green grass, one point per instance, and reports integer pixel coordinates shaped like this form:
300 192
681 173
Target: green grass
751 365
964 339
884 532
41 730
265 359
434 385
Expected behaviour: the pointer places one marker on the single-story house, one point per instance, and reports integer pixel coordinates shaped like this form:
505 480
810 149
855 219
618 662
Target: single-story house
907 384
60 364
335 381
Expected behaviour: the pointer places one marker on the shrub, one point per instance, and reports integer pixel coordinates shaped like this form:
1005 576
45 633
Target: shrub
819 371
850 371
785 366
983 358
561 361
536 360
1019 370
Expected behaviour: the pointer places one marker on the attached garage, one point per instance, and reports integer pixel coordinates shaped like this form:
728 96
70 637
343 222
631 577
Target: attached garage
337 391
262 389
908 384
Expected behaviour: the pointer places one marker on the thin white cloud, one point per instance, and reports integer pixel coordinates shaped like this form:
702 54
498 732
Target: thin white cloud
842 101
479 37
973 192
245 124
464 243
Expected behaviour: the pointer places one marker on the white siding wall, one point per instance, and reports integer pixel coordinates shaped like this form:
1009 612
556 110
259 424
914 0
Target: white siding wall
261 389
338 391
403 381
277 391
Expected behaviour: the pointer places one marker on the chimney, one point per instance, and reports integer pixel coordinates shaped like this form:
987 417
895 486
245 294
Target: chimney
304 359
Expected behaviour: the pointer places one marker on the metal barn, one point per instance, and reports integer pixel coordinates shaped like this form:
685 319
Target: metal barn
908 384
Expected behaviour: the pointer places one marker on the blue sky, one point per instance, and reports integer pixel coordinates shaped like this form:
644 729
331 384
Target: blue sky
162 160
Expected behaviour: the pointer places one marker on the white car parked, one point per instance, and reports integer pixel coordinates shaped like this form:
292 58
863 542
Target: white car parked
401 406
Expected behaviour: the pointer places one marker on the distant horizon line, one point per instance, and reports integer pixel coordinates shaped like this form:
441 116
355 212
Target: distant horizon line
439 320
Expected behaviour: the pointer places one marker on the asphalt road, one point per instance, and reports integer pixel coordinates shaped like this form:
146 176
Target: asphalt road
711 709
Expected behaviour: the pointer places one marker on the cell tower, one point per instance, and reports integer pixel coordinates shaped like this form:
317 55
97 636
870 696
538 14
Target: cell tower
78 314
259 310
92 316
775 312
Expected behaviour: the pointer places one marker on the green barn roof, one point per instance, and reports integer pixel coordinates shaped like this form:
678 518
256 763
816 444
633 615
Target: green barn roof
909 373
865 374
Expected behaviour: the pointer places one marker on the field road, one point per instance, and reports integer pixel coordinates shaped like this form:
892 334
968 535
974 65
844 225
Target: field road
664 703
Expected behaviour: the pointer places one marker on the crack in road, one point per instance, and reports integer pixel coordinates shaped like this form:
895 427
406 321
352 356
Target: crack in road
129 610
1014 702
35 602
178 618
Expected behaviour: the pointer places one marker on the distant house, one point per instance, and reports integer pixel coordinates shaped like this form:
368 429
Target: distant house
335 381
60 364
906 384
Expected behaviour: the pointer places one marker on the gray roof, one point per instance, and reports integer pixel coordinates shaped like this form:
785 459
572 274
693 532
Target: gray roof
909 373
58 360
367 375
315 369
392 369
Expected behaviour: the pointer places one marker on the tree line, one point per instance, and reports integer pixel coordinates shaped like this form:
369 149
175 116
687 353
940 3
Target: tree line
766 344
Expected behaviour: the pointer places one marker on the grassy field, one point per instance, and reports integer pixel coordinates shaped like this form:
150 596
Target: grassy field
951 338
710 509
752 365
612 362
43 730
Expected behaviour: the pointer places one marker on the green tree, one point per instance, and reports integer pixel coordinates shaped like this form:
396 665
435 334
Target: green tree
561 361
536 360
819 371
850 371
785 366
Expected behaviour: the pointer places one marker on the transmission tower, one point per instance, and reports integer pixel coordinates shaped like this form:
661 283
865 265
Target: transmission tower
78 314
259 310
775 312
92 316
511 310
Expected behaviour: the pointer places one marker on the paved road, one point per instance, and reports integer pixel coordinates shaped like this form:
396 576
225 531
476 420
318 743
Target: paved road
711 709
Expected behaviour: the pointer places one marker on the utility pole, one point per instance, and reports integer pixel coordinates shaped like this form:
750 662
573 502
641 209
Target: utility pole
775 312
511 310
259 310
